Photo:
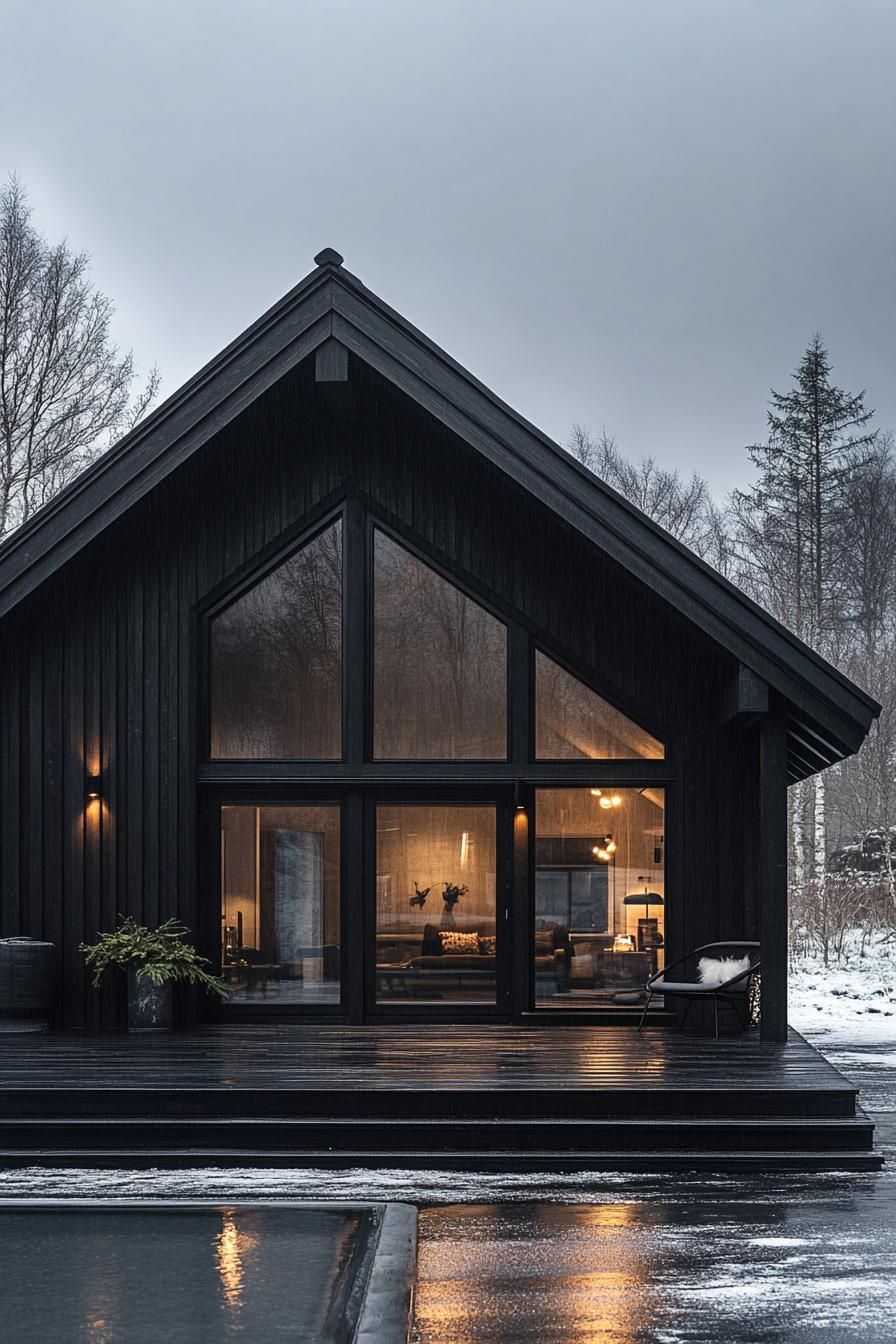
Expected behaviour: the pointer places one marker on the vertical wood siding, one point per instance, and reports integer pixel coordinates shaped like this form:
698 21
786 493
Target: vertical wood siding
98 669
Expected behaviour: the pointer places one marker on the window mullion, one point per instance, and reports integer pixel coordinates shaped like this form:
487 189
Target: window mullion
356 607
519 690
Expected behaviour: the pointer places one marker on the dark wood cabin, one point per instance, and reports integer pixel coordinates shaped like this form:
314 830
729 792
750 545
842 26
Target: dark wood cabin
403 712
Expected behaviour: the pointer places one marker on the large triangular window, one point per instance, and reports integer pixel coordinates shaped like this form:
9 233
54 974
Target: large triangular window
276 661
439 663
572 722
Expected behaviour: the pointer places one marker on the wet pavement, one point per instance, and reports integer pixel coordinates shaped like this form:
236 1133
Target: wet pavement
614 1258
671 1260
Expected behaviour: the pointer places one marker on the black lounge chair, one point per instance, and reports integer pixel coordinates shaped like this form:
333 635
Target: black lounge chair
733 993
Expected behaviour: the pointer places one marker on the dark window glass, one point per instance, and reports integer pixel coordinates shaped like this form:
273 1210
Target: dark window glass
573 722
276 661
440 666
280 897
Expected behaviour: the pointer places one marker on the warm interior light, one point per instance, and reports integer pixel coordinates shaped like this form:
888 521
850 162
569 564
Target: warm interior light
615 800
611 846
595 793
605 802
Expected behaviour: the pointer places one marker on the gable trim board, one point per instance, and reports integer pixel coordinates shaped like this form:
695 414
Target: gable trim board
828 715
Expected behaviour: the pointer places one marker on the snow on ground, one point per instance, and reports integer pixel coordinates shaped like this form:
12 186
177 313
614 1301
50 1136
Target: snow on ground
852 1001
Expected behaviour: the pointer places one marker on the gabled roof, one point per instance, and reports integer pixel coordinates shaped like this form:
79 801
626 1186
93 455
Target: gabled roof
829 715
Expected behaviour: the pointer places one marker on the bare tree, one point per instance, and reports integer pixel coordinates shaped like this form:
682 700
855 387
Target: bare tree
682 506
864 803
65 391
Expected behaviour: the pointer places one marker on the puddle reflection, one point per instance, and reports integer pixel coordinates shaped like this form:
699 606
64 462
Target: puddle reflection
664 1272
182 1276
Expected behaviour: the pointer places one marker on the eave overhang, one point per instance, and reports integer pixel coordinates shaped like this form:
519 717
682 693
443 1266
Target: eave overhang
829 716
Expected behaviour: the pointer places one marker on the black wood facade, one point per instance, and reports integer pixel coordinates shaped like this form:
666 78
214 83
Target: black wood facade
104 671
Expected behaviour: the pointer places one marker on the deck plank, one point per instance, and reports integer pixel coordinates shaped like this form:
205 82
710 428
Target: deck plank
427 1058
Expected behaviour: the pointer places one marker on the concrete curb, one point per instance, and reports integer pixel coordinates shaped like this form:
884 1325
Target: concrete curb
387 1310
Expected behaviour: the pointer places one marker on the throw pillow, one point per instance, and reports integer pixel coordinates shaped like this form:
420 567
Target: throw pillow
487 946
432 943
718 970
464 943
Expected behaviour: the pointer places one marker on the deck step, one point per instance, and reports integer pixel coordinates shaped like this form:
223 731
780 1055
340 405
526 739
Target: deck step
416 1095
536 1161
522 1102
337 1134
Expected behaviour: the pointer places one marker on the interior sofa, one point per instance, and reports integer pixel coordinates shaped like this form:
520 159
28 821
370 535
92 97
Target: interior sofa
422 953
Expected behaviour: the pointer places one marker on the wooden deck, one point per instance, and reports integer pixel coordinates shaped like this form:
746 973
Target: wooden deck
426 1096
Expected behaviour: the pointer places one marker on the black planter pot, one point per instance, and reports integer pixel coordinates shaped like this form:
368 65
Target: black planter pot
149 1005
26 984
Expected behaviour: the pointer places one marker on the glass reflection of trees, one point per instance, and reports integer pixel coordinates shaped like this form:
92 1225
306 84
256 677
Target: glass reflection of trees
276 661
440 665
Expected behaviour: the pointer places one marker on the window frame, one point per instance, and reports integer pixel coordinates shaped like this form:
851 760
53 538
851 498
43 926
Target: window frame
209 923
249 576
616 700
351 779
374 525
599 779
360 521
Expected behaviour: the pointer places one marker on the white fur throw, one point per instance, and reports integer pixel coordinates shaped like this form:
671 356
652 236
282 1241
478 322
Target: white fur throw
718 970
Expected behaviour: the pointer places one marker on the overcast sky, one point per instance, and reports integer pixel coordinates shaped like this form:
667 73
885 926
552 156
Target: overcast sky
632 214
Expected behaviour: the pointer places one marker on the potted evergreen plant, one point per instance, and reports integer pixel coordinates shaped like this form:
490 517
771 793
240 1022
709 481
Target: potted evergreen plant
153 959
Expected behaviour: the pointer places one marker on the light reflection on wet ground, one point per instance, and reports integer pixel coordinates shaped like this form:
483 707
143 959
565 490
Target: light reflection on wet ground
667 1271
174 1275
673 1261
615 1258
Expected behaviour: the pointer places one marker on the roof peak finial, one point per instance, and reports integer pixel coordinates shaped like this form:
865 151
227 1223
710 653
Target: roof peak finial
328 257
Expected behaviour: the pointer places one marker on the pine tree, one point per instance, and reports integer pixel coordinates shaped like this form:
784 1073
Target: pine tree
793 537
792 524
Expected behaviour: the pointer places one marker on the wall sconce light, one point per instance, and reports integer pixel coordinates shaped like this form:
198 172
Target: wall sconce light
518 801
92 787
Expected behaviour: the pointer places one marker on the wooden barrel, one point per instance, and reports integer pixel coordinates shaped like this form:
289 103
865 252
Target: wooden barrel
26 984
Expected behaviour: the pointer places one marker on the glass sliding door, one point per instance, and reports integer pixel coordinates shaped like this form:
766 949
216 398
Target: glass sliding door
436 899
599 895
280 904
